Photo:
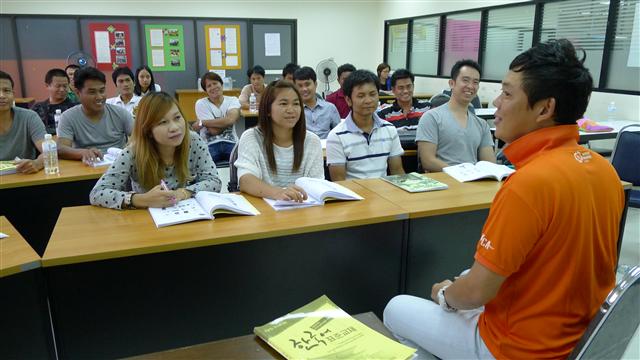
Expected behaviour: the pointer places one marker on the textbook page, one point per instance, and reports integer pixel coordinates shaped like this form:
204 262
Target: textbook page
215 203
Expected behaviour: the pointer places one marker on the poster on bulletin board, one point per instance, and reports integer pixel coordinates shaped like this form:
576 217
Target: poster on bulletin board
110 44
165 47
223 47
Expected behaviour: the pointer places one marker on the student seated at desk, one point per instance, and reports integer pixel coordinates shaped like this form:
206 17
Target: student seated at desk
256 86
126 99
71 92
451 134
289 70
405 110
363 145
21 131
87 130
546 258
321 116
57 84
272 155
337 97
383 71
145 82
217 115
162 149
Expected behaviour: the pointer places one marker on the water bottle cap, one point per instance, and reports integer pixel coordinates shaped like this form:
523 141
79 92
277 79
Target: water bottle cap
47 136
58 111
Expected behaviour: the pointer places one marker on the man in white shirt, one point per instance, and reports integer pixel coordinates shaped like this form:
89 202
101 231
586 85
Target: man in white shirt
217 115
321 116
123 78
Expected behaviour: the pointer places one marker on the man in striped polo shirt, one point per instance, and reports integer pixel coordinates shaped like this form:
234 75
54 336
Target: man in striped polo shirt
405 110
363 145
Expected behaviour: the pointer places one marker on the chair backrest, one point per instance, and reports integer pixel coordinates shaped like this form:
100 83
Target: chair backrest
233 185
625 157
439 99
615 323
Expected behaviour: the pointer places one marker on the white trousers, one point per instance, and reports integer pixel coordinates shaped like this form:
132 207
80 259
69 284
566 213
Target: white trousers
418 322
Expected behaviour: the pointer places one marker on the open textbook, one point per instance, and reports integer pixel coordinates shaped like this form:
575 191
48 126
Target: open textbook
318 191
108 158
481 170
321 330
414 182
203 206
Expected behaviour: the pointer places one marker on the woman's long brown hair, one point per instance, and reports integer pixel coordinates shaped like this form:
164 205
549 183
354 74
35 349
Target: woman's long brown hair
265 123
150 167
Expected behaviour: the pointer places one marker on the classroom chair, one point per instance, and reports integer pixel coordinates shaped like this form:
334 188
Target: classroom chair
611 329
439 99
626 160
233 185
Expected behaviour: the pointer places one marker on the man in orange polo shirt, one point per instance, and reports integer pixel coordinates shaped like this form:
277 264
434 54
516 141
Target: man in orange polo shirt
546 258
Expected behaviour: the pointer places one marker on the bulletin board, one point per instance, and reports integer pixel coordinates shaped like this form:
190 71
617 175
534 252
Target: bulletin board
110 45
165 47
223 50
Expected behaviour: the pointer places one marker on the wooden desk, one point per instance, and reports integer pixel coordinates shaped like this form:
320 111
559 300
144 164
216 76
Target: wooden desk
207 280
26 330
248 347
32 202
187 100
443 229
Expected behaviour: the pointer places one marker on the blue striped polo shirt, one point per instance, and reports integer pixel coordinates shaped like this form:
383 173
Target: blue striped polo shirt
365 155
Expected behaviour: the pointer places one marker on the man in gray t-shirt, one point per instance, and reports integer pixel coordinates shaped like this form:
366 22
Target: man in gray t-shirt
21 131
87 130
451 134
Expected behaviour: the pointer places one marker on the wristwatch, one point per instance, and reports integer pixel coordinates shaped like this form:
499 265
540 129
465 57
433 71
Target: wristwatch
128 200
443 302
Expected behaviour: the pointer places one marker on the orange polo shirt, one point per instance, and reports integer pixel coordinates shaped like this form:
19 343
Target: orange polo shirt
552 231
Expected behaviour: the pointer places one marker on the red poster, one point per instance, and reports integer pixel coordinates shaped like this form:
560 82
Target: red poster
110 45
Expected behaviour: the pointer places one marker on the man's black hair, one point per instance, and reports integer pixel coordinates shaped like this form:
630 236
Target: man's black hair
401 74
89 73
256 70
290 68
305 73
122 71
48 78
357 78
6 76
455 70
553 70
345 68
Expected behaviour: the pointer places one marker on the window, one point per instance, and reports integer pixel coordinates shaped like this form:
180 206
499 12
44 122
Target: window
397 45
425 42
509 33
584 23
462 39
624 64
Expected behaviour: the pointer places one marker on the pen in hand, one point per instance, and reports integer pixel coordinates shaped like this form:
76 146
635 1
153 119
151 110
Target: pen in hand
164 186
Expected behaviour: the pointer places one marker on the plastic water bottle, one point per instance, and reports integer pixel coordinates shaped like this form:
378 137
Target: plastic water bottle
611 111
50 154
56 118
253 106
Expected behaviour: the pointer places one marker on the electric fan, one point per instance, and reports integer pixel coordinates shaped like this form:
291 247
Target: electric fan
327 72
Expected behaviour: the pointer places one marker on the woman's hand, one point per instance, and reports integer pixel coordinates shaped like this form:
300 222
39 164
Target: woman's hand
291 193
156 198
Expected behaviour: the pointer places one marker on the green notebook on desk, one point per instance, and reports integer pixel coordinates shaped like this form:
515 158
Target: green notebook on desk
414 182
7 167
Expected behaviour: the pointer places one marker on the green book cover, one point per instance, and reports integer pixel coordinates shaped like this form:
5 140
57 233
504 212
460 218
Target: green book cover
414 182
321 330
7 167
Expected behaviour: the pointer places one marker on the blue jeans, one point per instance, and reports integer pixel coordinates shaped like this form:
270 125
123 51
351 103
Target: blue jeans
220 151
